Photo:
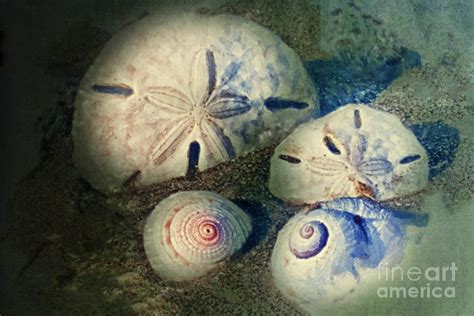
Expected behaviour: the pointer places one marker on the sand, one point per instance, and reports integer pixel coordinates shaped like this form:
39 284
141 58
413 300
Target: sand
68 249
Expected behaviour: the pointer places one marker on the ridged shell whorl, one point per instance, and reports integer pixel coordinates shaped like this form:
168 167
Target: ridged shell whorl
324 254
189 233
355 151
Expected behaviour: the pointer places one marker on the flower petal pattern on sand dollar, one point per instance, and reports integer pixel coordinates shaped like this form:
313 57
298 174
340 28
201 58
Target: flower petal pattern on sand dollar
203 88
355 151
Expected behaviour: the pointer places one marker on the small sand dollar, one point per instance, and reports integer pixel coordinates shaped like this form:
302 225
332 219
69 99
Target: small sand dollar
355 151
172 95
190 232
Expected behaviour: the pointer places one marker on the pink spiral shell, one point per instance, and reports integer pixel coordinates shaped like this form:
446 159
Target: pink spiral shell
188 233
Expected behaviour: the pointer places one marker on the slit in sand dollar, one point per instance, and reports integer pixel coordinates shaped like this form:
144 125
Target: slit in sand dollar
168 84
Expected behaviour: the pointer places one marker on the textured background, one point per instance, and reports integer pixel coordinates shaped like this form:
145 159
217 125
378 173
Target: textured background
48 45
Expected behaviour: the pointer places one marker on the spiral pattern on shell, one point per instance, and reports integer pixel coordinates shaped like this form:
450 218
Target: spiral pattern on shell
189 233
309 240
326 253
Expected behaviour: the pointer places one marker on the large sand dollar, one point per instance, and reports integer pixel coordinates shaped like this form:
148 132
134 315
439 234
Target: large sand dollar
172 95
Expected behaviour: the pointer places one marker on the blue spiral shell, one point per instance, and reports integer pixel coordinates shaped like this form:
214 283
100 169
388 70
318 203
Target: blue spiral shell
328 252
